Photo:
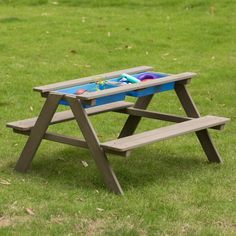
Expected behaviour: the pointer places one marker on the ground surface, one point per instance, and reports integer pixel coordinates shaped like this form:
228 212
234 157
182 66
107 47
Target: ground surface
170 189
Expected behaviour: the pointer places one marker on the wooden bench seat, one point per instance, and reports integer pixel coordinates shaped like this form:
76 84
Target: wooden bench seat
148 137
28 124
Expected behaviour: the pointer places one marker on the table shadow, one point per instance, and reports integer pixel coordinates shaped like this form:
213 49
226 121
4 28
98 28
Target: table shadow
65 168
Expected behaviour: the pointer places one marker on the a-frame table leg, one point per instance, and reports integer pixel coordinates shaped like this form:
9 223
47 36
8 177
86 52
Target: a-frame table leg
132 121
203 135
94 146
37 132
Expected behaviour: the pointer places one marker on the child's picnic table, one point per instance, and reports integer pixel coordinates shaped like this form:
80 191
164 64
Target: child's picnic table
90 101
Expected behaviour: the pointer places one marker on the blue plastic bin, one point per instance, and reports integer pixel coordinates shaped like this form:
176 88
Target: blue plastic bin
92 87
151 90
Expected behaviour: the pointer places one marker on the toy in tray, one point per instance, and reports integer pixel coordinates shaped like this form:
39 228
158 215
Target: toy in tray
147 76
99 85
127 79
80 91
122 80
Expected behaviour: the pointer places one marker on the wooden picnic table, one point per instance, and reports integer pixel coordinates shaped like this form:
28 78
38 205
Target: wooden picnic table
89 103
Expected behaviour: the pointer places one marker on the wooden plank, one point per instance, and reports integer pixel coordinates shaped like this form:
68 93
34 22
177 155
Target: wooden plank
154 115
59 138
27 124
89 79
136 86
148 137
159 116
69 140
37 133
59 117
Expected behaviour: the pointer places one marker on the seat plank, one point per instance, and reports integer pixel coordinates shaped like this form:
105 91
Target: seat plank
27 124
89 79
148 137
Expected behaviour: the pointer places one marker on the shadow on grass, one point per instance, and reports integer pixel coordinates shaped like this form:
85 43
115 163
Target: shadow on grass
10 19
144 167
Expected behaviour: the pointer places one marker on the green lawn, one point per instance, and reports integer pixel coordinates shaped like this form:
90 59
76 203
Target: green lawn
170 189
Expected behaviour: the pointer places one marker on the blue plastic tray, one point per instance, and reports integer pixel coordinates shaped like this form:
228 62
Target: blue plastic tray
92 87
151 90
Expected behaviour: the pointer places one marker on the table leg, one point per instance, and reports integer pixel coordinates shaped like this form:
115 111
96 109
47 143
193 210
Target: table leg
94 145
37 132
132 121
203 135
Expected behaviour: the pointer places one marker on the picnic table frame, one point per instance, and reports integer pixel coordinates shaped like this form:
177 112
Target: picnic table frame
36 128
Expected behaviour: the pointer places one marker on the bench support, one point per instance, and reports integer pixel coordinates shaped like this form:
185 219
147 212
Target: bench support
203 135
37 132
92 141
132 121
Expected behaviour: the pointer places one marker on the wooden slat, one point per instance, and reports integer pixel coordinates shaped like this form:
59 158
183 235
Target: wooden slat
59 117
137 140
73 141
159 116
69 140
27 124
153 115
59 138
89 79
136 86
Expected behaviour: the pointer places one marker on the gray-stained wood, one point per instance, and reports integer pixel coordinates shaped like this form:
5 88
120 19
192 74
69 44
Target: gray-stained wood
127 140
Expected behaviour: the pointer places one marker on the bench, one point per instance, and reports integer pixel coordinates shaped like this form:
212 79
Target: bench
59 117
148 137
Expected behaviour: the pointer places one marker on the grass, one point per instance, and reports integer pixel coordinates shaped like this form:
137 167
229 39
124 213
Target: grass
170 189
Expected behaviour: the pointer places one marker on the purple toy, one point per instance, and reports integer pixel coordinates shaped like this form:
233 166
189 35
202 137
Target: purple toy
148 75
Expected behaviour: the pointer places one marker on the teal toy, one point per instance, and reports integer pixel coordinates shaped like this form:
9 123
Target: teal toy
130 78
